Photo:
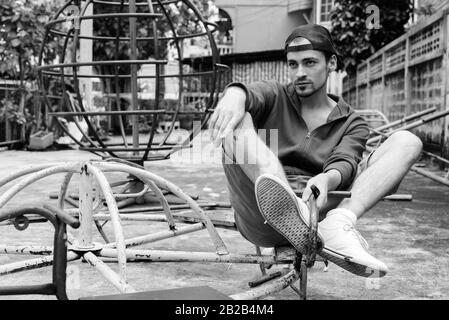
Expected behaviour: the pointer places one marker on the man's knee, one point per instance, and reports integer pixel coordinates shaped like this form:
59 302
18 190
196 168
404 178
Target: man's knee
407 142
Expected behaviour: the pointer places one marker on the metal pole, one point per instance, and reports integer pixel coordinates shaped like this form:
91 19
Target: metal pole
412 125
85 209
406 119
134 99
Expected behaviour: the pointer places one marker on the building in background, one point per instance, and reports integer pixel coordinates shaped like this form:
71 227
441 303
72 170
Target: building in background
252 33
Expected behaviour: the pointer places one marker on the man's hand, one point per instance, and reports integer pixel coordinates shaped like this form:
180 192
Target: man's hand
228 114
325 182
320 181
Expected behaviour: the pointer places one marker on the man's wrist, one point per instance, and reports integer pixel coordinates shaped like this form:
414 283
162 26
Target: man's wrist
333 179
237 91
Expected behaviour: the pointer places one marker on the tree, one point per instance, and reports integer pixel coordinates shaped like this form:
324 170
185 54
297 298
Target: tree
21 33
355 39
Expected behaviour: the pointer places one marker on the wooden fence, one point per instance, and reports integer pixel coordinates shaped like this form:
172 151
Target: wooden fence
406 76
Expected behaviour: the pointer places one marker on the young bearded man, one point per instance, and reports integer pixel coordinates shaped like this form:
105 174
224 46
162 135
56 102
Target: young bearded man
319 135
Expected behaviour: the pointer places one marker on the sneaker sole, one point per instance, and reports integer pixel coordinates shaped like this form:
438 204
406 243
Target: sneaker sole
350 265
280 209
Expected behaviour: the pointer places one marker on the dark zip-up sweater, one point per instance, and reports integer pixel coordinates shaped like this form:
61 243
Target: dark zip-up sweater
337 144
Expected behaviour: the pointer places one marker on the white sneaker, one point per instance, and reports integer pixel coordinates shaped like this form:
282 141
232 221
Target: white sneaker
346 247
284 211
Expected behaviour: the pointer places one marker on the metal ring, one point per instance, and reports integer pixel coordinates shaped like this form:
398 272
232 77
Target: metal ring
21 222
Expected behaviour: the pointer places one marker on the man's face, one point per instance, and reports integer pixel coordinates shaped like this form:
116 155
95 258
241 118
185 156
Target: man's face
308 71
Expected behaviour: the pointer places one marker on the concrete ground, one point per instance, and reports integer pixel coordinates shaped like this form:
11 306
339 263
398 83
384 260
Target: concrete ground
412 238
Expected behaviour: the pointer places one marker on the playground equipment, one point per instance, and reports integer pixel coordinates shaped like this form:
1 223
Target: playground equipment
97 202
100 200
145 72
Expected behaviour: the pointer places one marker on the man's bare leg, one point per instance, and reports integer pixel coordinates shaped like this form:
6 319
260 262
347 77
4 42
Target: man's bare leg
251 153
386 168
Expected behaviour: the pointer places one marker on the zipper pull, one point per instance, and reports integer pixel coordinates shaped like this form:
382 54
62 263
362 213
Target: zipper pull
308 135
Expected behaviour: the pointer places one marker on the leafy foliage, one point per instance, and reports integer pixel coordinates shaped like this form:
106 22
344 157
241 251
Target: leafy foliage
354 40
21 33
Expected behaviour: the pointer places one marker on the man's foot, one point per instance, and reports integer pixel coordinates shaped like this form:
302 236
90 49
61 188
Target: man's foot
284 212
345 247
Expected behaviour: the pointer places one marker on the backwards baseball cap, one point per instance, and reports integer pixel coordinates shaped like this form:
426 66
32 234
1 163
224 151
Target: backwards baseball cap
319 37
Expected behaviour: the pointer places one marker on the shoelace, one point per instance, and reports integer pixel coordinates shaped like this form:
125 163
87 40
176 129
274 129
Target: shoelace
356 234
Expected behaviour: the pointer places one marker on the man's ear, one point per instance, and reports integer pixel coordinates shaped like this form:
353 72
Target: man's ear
332 64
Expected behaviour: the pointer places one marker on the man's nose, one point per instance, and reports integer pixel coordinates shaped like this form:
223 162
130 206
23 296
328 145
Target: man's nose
300 72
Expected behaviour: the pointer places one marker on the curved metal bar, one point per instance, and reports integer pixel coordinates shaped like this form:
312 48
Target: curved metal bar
115 218
116 113
183 37
123 161
11 213
105 15
59 259
164 203
142 174
269 288
137 3
131 195
190 74
63 190
100 63
66 218
23 172
4 198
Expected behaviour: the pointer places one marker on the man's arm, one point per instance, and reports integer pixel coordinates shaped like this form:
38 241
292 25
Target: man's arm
256 98
347 154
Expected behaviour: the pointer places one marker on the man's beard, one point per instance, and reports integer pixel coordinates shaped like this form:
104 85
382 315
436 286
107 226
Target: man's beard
306 95
314 91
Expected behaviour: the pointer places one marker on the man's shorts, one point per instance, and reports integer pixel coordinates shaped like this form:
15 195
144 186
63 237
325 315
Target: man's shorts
248 219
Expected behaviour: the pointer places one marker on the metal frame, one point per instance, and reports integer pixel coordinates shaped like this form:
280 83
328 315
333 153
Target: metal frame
94 190
132 152
59 219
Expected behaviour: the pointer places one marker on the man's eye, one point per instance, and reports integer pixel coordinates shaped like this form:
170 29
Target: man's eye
292 64
310 63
